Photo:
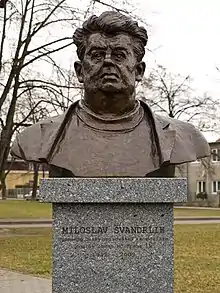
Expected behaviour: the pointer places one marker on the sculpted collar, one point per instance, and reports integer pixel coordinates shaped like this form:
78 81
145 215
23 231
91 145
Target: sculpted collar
123 123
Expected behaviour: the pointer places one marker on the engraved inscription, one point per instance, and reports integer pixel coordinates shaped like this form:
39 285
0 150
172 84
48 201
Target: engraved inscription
84 230
137 229
115 230
101 242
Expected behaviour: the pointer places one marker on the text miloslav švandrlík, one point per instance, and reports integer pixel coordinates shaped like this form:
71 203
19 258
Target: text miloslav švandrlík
115 229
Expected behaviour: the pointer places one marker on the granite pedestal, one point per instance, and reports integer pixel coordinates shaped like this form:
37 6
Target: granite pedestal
113 235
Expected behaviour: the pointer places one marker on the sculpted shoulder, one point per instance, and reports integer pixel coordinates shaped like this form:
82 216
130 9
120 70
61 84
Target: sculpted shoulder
30 143
189 144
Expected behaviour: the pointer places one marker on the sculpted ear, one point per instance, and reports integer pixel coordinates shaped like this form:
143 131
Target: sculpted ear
139 71
79 72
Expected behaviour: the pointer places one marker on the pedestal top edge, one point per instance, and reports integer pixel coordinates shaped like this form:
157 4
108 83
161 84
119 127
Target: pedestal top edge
113 190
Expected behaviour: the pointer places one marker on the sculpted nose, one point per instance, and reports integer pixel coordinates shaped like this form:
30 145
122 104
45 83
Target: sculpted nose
108 59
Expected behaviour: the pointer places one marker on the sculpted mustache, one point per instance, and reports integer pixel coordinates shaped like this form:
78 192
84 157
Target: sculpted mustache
109 73
101 73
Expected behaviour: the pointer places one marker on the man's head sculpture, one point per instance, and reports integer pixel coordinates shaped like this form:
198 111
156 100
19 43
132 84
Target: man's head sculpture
110 49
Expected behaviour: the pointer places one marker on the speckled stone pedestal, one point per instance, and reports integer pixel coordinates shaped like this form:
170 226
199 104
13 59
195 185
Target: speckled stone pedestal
113 235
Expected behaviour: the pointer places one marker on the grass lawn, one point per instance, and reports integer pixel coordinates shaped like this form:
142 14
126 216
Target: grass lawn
197 255
197 258
21 209
29 253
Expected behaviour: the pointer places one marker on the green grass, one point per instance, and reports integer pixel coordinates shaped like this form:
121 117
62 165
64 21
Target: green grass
197 258
29 254
21 209
196 213
197 255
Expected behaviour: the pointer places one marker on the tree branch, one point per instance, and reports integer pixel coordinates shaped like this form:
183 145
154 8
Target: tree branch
180 86
45 54
47 18
2 123
48 83
29 114
112 7
15 59
3 36
48 44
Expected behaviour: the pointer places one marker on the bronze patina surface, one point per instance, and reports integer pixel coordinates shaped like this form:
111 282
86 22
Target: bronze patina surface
109 132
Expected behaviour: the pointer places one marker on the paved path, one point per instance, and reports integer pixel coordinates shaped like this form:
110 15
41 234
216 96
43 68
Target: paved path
26 221
21 222
189 222
6 226
11 282
186 221
197 208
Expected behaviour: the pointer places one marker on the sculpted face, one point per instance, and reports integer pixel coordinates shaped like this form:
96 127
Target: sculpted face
109 64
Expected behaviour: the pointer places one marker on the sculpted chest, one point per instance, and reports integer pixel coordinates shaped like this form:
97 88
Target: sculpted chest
88 152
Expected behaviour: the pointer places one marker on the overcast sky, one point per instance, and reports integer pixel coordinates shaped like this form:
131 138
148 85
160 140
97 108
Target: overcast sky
187 35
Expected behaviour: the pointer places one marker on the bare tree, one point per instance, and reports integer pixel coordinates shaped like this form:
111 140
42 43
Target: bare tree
32 35
27 45
172 95
32 44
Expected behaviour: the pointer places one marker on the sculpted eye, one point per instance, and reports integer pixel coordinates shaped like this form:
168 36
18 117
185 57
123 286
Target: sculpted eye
119 56
97 55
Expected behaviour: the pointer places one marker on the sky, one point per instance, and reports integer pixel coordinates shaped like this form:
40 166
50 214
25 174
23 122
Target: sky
184 37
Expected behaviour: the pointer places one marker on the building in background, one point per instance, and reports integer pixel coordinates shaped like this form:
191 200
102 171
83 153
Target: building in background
203 177
21 175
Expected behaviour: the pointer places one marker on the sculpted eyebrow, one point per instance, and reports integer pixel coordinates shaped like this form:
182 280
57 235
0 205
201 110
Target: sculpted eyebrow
97 48
121 49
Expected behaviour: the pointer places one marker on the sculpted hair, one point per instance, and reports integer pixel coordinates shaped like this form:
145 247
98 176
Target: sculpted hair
111 23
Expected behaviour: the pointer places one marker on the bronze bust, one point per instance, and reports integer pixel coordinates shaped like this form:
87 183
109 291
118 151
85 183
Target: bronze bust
109 132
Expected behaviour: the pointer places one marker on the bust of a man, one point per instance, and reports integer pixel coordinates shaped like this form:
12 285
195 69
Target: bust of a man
109 132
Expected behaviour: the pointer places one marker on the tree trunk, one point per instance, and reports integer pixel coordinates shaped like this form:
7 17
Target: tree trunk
35 181
4 147
3 185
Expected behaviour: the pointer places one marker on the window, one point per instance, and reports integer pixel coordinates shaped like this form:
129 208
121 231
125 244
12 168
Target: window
215 155
201 186
215 186
30 166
